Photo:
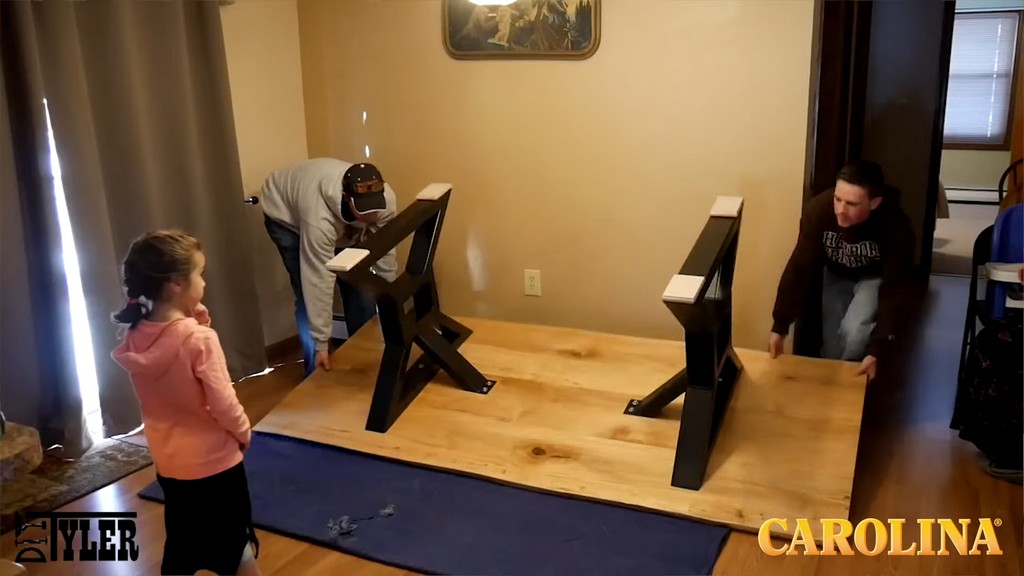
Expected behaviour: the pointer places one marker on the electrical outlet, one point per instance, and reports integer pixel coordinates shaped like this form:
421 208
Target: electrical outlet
531 282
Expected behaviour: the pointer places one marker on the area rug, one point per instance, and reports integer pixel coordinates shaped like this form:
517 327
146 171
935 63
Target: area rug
436 522
57 481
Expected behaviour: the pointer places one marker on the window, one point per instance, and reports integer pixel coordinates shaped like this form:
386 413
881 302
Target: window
979 99
84 360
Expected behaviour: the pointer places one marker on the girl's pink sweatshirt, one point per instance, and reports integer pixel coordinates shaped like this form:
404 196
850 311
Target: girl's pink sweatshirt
193 421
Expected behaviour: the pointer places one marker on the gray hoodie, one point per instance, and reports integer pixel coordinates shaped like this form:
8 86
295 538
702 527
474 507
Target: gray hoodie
306 197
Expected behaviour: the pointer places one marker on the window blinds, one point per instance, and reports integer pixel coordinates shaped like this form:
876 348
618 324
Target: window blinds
981 78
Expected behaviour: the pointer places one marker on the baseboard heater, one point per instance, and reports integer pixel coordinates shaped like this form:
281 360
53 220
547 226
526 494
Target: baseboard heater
972 195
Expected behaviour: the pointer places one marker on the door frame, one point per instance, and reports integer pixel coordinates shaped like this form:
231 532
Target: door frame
838 99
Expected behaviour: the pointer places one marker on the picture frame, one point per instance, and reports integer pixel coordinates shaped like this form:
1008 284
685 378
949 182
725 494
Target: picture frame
522 29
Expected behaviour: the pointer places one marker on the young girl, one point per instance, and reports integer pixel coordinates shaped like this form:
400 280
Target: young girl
195 426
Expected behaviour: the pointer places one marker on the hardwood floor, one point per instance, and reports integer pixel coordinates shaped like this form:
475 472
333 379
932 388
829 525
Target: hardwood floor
910 465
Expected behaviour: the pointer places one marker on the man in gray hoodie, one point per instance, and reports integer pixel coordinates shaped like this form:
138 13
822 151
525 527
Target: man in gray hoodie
313 210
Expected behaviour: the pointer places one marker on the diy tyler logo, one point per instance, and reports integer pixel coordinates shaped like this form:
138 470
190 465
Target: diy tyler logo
872 537
86 537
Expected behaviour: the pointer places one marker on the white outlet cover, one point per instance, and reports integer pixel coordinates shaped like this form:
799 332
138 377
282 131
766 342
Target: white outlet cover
527 276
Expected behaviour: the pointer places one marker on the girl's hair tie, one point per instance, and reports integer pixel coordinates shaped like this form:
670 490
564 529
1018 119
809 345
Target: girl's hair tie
145 303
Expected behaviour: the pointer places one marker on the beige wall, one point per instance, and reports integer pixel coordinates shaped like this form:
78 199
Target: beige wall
262 42
600 173
973 168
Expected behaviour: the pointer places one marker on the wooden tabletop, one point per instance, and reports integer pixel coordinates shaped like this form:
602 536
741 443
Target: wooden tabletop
554 422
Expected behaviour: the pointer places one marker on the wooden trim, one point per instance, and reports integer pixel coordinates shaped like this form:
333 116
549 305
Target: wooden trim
1001 147
1014 77
931 201
1014 186
836 93
814 93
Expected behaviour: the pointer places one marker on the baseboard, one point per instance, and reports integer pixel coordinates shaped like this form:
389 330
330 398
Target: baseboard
291 347
284 349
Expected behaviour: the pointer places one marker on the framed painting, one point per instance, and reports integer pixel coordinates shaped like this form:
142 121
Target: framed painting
521 29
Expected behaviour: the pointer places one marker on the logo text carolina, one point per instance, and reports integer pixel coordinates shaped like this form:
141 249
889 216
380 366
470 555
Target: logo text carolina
872 537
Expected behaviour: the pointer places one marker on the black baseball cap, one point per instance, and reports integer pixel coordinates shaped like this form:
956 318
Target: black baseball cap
364 184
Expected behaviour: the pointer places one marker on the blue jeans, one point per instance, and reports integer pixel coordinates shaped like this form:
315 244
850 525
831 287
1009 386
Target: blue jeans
359 306
849 310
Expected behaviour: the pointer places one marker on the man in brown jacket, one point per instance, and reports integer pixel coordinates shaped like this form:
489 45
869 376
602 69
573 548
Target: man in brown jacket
862 243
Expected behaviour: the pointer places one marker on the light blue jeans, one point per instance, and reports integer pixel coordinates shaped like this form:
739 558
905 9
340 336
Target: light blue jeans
849 311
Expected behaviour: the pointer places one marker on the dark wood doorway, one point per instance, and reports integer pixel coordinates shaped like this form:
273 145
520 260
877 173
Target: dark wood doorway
878 91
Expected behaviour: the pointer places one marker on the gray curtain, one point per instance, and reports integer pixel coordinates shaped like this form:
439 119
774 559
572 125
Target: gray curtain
38 384
141 110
